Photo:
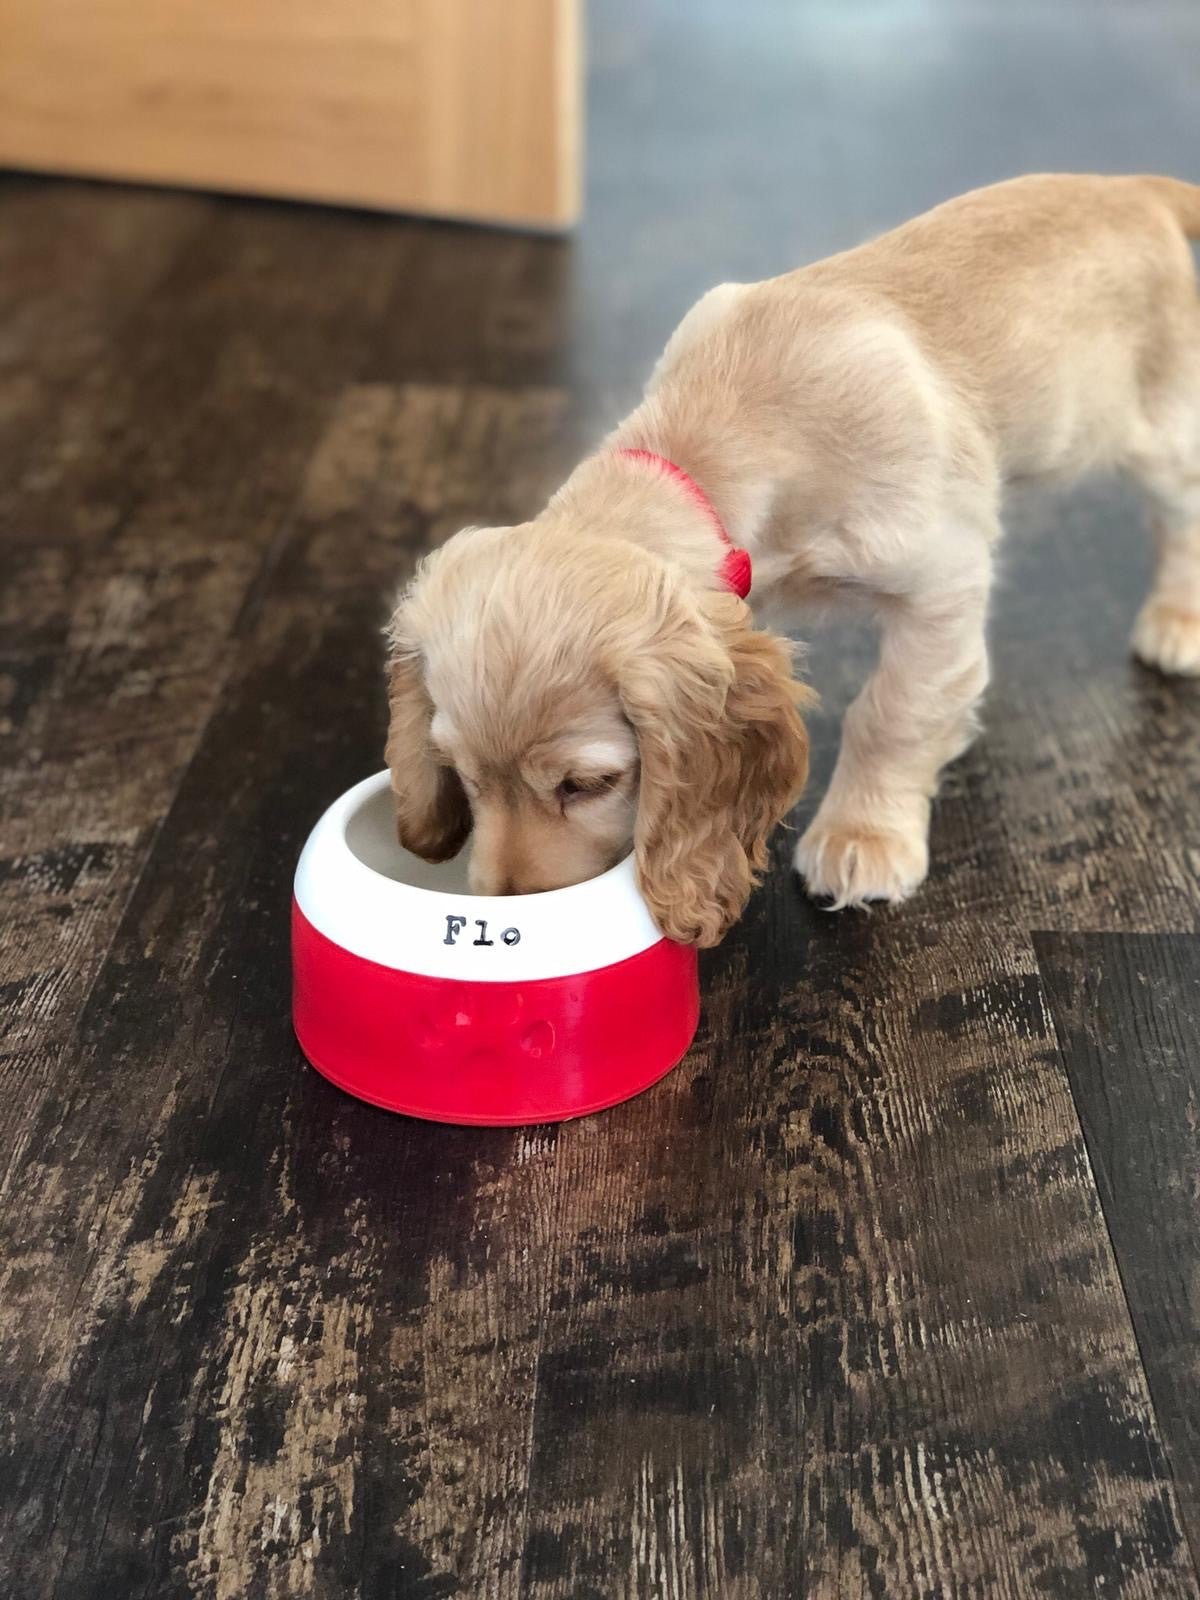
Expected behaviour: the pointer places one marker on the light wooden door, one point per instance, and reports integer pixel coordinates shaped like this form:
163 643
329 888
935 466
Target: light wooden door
465 108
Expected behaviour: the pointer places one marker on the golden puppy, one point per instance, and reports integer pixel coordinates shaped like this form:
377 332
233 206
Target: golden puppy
587 681
571 695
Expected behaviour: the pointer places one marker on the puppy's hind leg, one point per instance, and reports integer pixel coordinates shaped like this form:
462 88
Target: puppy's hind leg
869 838
1167 632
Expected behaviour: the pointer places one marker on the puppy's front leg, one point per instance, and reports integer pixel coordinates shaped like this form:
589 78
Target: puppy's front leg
869 838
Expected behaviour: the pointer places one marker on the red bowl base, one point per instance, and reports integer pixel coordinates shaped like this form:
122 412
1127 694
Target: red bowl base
497 1054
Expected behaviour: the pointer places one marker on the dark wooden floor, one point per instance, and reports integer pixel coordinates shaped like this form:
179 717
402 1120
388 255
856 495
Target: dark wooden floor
893 1288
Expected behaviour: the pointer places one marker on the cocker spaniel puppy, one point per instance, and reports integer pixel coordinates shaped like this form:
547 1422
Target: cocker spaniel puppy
593 680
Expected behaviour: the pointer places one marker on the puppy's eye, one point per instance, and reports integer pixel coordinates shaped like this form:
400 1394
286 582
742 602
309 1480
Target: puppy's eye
585 788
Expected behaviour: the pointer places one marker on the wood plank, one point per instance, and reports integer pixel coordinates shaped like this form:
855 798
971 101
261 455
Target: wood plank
75 262
1127 1012
834 1311
134 532
456 107
505 309
255 1337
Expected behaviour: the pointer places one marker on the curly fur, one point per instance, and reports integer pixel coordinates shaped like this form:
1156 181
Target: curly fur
624 658
724 756
432 813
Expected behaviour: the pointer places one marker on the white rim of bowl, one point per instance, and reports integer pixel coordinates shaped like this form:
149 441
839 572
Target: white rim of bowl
474 938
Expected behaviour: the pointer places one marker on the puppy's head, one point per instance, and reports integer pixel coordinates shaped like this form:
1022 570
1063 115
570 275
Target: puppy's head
572 697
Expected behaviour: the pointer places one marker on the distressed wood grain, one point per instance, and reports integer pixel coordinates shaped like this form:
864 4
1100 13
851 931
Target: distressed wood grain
75 264
143 521
1127 1011
835 1312
207 1245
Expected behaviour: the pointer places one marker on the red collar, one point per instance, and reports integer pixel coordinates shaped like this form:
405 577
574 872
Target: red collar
735 570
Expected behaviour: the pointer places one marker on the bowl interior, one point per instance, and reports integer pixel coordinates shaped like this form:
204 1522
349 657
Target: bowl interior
371 836
362 892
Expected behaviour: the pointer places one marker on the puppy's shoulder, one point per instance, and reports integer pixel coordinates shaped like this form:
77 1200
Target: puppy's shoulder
713 313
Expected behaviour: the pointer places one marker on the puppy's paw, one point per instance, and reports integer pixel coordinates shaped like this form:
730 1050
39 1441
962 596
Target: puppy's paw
852 862
1168 637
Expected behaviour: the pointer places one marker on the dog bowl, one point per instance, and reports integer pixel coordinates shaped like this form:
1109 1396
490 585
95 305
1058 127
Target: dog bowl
414 994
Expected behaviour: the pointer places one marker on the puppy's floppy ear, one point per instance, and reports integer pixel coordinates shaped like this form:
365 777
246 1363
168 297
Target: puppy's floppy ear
433 815
724 756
